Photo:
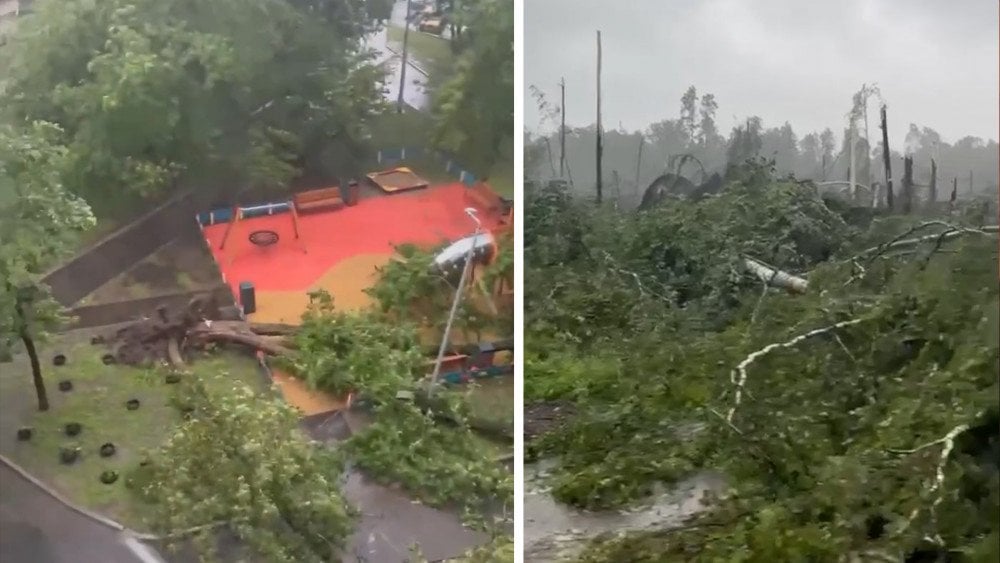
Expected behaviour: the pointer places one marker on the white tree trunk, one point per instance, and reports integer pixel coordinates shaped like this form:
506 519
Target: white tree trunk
776 278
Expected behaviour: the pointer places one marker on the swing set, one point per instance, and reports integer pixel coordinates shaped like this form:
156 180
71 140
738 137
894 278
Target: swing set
265 237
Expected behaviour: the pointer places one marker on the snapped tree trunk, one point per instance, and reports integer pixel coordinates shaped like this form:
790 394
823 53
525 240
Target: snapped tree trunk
907 184
887 162
600 147
775 277
932 196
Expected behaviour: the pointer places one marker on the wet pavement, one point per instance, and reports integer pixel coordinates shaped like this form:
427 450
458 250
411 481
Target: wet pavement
556 532
35 528
415 93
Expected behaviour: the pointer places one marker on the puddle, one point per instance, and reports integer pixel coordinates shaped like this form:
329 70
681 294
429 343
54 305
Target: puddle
557 532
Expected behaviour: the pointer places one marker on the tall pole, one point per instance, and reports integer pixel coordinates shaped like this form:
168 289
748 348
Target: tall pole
458 299
402 70
853 171
887 162
638 161
970 183
600 148
562 128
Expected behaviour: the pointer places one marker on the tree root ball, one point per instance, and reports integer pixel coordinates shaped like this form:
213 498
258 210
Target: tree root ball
109 476
132 404
73 428
68 455
59 360
107 450
24 433
172 378
65 385
109 359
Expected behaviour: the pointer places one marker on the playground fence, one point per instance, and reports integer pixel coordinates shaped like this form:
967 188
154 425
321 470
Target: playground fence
388 157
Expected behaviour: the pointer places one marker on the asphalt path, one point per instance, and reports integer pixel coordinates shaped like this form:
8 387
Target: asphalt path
36 528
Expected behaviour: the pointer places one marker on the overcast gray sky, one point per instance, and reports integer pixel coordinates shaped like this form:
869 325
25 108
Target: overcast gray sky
936 62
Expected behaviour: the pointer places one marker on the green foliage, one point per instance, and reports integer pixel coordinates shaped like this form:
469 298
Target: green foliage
346 352
442 464
242 459
640 321
430 451
37 226
412 289
149 91
475 109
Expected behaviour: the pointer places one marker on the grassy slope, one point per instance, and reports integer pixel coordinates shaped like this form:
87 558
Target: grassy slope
97 401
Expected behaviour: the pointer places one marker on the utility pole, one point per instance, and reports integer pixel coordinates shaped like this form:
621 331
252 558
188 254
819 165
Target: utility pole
402 70
887 162
600 148
471 212
562 128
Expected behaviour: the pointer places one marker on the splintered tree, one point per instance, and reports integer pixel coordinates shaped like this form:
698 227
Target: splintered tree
887 162
907 185
600 130
932 194
36 227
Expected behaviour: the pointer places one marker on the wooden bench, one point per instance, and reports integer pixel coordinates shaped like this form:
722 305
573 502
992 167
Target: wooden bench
318 199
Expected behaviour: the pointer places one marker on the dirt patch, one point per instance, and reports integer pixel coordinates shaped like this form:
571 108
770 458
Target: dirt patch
346 282
541 418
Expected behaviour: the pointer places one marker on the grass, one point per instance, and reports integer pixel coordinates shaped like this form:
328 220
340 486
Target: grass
97 401
432 53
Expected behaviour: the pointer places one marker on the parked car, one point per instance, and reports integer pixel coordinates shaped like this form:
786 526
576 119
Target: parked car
434 25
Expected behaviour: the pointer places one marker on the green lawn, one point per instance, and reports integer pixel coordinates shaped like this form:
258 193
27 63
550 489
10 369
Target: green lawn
97 401
430 52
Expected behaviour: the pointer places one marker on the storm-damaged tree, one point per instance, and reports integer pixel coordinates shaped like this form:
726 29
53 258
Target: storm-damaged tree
242 461
38 222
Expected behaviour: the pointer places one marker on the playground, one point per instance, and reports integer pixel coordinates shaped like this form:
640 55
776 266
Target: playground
272 255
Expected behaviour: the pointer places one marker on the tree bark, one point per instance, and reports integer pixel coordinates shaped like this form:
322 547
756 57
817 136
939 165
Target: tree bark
36 371
775 277
29 345
932 197
907 184
887 162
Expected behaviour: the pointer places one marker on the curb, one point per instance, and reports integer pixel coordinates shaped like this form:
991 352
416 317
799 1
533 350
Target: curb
103 520
98 518
409 61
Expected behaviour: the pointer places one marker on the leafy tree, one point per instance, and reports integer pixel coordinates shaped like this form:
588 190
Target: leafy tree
38 224
474 110
689 114
745 141
241 459
150 92
708 131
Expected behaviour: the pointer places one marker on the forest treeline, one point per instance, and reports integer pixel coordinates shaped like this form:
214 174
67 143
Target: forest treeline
818 155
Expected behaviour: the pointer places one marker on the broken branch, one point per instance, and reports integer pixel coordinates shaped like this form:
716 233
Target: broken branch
775 277
741 369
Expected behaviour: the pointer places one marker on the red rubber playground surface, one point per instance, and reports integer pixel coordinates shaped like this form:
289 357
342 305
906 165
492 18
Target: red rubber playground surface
373 226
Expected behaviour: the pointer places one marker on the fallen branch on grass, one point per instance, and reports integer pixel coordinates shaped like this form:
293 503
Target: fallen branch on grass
239 333
741 369
775 277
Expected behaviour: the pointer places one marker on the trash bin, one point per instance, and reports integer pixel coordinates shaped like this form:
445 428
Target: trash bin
352 193
248 298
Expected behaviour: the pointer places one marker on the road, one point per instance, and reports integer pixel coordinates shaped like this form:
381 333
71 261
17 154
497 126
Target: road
35 528
415 94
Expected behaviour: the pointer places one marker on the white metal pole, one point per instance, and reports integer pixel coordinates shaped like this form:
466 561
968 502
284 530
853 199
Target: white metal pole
458 298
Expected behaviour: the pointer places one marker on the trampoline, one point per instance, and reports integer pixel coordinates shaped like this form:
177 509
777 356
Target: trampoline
397 180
